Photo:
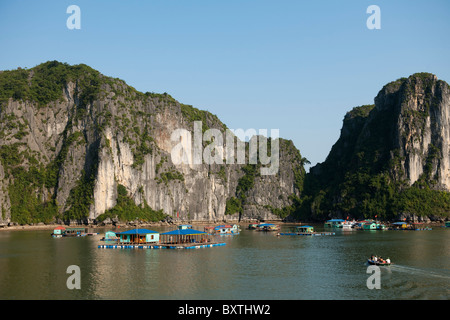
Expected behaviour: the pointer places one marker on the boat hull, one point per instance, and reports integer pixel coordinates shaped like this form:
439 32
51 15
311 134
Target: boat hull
378 263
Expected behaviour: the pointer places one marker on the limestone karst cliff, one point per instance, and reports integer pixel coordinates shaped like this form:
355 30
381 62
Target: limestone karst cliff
391 159
72 139
76 145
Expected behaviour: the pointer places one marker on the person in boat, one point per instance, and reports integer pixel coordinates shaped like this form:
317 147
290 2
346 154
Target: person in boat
388 260
375 258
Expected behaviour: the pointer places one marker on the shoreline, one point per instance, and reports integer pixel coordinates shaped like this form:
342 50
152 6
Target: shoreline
161 224
123 225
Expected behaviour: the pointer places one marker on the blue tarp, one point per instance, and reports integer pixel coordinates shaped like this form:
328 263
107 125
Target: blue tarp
183 232
138 231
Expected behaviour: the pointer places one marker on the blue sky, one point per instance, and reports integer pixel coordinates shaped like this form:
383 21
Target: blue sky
297 66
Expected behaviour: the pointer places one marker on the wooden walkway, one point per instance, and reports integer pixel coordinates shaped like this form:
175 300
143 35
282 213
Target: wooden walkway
162 246
307 234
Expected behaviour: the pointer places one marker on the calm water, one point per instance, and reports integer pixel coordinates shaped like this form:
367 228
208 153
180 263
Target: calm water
253 265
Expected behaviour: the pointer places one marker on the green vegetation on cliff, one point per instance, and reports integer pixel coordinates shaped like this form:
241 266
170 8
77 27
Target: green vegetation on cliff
245 183
29 199
45 83
127 210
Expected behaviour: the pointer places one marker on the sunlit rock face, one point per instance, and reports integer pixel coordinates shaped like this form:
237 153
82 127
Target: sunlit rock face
85 134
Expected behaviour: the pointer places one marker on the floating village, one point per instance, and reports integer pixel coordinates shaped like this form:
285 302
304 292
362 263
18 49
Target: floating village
186 237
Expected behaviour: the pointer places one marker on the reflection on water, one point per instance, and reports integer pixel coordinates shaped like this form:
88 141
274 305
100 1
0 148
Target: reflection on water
252 265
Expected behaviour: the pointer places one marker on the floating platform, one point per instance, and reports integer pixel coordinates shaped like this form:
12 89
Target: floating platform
307 234
159 246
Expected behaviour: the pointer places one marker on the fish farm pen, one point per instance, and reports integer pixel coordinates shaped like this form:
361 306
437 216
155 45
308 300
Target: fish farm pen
160 246
176 239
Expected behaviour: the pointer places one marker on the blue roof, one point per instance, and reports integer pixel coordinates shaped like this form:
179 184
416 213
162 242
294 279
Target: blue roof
138 231
227 226
265 224
336 220
305 227
183 232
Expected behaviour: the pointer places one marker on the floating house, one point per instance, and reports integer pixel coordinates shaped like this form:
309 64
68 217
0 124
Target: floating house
304 229
334 223
369 226
184 226
176 239
373 226
61 231
138 236
58 232
226 229
447 224
184 236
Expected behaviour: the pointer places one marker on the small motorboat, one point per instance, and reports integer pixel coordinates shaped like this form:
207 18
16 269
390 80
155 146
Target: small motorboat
378 262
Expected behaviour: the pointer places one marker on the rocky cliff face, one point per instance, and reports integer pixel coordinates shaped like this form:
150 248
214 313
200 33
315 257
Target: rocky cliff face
387 152
423 128
71 136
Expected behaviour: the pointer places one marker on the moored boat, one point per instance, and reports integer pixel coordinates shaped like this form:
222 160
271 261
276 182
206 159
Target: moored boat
61 231
253 226
347 225
110 236
305 231
268 227
75 232
402 225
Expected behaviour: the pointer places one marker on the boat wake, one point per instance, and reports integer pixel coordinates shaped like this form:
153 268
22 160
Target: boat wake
419 271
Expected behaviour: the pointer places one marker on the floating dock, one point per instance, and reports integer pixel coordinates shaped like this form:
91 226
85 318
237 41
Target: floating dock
159 246
307 234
